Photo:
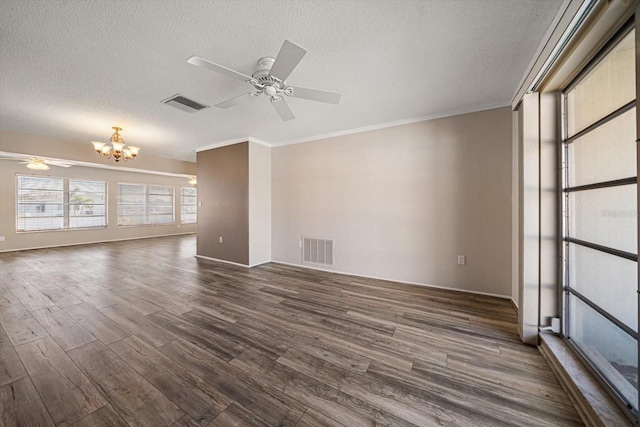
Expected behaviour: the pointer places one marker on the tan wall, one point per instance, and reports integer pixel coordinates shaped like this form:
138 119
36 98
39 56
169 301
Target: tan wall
223 190
402 202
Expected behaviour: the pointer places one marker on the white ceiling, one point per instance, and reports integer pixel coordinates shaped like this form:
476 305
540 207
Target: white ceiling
72 69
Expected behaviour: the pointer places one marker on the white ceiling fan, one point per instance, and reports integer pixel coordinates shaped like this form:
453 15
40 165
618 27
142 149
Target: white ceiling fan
39 163
269 77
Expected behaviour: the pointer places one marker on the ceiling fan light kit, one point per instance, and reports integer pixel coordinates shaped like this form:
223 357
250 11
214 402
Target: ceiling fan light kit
269 78
37 165
116 147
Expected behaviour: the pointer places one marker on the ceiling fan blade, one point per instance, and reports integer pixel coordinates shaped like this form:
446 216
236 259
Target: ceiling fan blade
233 101
288 58
316 95
283 110
59 164
200 62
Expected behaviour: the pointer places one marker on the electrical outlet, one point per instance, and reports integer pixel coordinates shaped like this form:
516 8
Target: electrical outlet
299 243
220 239
462 260
1 238
200 203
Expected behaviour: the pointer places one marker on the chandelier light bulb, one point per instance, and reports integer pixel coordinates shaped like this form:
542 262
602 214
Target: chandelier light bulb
116 147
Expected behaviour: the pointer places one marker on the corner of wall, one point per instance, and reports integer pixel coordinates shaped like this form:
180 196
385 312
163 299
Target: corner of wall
259 203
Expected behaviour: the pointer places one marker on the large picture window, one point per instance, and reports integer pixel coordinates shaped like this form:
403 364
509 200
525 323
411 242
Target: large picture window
145 204
46 203
600 217
188 205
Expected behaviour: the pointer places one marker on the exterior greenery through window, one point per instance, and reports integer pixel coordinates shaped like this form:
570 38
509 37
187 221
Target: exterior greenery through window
145 204
188 205
46 203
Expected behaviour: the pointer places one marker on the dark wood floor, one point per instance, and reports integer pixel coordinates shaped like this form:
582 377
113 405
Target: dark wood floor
143 333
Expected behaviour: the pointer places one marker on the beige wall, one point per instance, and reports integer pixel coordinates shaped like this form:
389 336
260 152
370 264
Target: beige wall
259 204
402 202
17 241
223 190
24 143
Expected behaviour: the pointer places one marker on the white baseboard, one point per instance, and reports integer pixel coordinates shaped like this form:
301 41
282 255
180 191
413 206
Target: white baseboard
344 273
94 242
207 258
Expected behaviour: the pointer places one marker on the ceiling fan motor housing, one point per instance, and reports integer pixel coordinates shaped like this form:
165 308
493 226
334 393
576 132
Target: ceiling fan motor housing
265 83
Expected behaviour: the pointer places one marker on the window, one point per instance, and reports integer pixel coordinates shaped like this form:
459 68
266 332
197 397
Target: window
188 205
142 204
45 203
600 217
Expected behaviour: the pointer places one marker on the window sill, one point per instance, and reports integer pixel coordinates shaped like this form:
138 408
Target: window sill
591 401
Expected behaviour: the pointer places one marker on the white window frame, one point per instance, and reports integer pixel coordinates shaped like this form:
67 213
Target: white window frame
147 205
569 291
182 205
66 215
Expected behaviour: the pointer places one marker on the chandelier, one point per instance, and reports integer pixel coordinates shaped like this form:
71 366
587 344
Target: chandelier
116 147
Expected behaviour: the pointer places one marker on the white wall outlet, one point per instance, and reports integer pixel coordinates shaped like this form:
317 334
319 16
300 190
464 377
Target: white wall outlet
1 238
299 243
200 203
462 260
220 239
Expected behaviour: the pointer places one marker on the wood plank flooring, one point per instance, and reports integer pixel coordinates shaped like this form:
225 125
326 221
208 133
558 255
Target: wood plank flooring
141 333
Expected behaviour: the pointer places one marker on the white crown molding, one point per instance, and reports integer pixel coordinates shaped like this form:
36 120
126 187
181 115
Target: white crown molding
232 142
260 142
453 113
397 123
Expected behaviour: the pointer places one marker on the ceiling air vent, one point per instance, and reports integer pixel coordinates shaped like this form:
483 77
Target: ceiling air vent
185 104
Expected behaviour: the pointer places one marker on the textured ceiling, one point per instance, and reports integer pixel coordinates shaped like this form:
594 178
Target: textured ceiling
73 69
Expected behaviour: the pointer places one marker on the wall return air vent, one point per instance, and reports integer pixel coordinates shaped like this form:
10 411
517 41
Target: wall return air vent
317 251
184 103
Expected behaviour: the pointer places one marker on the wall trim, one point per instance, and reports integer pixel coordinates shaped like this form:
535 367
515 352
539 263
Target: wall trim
208 258
410 120
446 288
78 163
95 242
232 142
551 42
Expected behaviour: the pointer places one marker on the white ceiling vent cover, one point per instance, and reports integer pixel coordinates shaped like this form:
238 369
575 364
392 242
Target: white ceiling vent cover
317 251
184 103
